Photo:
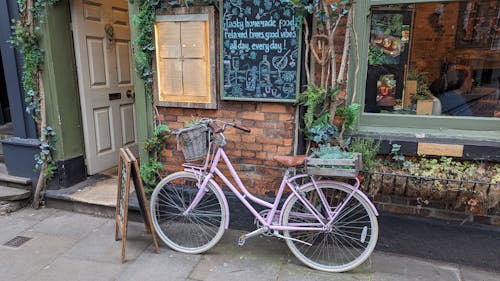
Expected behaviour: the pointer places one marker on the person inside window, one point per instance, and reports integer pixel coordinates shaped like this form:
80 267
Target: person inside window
456 82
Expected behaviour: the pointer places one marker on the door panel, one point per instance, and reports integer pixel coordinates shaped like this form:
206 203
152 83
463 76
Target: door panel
97 61
123 62
105 79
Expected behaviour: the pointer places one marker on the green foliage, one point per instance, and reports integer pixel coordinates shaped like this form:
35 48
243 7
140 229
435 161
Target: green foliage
350 114
423 92
26 38
46 153
375 55
331 152
368 148
321 131
313 99
150 171
150 175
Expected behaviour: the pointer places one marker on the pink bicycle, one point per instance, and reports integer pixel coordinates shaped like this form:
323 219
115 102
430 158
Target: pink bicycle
328 225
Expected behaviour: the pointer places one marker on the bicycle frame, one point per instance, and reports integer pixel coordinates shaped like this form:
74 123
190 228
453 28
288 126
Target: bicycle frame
322 223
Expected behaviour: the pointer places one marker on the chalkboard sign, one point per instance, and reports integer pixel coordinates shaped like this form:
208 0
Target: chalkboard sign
128 169
260 51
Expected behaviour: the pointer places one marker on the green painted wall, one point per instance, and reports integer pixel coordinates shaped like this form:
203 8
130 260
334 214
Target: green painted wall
60 82
143 104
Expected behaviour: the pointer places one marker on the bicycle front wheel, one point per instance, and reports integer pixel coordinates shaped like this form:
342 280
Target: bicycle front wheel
350 240
194 232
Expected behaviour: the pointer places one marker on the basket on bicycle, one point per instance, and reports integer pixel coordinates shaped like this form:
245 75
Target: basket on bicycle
348 167
194 141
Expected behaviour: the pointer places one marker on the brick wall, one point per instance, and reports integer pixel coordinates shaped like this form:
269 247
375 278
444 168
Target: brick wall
273 131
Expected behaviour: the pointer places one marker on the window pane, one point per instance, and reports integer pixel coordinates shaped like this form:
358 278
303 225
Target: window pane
169 36
435 59
195 84
194 38
170 79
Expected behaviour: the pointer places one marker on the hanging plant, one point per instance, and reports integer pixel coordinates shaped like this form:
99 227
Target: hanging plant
26 38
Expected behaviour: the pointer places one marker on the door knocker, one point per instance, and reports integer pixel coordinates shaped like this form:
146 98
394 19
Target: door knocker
108 29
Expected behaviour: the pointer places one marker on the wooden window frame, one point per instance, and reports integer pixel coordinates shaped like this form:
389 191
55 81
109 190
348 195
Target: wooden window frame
207 15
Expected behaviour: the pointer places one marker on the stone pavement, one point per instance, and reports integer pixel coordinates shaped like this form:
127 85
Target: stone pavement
71 246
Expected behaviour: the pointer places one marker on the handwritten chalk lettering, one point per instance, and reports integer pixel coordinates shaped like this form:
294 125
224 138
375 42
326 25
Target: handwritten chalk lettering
260 23
266 47
233 23
260 47
288 34
287 23
230 34
235 45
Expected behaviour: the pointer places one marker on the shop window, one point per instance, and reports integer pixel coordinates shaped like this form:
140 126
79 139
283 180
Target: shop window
439 59
185 60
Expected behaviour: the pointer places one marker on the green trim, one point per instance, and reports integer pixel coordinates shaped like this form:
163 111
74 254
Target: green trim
395 124
143 102
60 83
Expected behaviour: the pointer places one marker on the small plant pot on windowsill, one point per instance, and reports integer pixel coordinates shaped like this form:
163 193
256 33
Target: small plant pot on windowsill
348 168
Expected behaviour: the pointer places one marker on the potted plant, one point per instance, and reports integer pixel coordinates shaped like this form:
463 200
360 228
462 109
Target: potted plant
417 91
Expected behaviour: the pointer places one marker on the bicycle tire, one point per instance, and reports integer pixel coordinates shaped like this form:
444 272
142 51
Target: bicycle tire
195 232
348 243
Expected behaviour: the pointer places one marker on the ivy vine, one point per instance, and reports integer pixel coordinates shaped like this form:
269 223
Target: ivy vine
26 38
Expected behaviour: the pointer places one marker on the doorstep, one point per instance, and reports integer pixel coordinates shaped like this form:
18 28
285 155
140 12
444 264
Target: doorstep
94 196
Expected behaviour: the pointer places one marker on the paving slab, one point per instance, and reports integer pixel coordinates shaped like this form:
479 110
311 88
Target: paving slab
65 268
395 267
12 224
259 259
168 265
474 274
23 262
100 245
69 224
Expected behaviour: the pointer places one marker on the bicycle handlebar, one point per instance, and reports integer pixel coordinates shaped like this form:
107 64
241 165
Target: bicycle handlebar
217 129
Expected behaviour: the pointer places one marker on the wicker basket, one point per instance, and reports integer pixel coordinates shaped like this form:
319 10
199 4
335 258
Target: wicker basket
194 141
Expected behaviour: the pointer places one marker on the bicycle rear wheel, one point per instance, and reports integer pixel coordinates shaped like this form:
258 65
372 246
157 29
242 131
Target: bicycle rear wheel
348 243
191 233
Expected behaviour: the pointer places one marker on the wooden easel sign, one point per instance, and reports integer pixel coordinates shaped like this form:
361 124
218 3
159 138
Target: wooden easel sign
128 169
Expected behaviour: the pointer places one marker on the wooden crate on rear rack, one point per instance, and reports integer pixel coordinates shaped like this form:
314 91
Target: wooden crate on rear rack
348 168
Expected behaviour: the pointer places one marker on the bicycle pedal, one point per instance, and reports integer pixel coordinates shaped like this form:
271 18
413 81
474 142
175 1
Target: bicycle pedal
241 240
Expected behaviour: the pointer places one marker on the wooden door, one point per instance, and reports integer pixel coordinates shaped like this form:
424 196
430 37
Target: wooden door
101 32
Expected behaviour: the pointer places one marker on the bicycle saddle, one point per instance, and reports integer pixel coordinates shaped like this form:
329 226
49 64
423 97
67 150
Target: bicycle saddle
290 161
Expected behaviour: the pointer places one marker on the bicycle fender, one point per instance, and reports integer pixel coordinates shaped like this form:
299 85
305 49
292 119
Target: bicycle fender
372 206
224 199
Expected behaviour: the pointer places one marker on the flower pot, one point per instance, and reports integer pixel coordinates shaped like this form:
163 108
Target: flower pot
19 157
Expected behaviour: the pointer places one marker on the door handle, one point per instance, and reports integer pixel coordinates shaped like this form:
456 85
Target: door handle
130 94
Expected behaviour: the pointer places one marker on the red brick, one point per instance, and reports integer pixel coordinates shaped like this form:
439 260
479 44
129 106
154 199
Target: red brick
248 154
287 142
270 148
268 140
261 155
285 117
273 107
248 138
253 116
250 176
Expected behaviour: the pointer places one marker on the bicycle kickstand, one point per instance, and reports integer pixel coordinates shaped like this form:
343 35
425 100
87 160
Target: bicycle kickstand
244 237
